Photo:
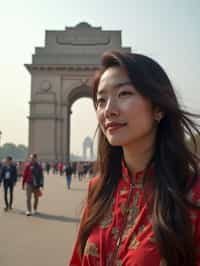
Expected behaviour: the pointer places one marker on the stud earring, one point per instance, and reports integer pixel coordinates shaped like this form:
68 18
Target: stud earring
158 117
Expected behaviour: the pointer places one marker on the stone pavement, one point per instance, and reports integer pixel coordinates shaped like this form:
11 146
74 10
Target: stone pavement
47 238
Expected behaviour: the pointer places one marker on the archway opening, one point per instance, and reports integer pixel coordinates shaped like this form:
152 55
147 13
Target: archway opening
83 125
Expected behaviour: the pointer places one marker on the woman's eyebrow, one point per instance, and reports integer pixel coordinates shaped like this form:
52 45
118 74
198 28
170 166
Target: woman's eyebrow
122 83
101 92
115 86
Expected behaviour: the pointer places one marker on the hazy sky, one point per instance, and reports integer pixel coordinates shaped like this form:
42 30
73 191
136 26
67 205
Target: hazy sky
169 31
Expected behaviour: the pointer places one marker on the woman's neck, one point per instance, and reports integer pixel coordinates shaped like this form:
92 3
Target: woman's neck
137 157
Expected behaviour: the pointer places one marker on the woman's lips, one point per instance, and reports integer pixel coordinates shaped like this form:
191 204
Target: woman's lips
114 126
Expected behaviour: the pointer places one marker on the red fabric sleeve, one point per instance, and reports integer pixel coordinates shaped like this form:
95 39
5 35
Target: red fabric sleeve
76 257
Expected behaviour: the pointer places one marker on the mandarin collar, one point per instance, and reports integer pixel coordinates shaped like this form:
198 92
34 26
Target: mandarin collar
138 178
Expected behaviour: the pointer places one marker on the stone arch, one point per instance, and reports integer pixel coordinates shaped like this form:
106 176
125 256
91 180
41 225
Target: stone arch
59 76
82 91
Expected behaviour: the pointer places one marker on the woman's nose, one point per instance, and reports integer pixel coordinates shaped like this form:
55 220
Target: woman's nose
111 108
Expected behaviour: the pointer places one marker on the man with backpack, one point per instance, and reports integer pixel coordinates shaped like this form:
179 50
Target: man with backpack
33 180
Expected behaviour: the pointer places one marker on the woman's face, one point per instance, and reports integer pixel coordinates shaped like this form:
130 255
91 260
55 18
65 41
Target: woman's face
124 115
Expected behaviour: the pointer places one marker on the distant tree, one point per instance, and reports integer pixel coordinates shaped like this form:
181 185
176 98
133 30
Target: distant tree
22 152
9 149
18 153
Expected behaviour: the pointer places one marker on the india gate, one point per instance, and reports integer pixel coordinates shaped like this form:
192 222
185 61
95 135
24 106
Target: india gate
60 73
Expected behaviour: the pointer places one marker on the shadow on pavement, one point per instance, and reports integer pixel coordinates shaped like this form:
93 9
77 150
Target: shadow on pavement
47 216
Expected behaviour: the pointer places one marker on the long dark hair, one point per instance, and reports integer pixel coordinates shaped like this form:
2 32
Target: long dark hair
176 166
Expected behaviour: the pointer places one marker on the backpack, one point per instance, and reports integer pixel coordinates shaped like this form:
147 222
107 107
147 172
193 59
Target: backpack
37 175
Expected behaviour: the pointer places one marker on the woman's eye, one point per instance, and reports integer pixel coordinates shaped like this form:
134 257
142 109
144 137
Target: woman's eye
100 101
124 93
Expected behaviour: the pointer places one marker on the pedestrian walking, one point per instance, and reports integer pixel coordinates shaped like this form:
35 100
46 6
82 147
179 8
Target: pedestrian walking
33 181
68 173
9 178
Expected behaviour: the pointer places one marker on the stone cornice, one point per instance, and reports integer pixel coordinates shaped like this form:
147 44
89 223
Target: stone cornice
45 117
32 67
42 102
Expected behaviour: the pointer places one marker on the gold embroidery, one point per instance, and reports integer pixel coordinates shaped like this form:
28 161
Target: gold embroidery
123 208
142 228
123 192
132 218
152 240
91 249
109 257
134 243
107 219
115 232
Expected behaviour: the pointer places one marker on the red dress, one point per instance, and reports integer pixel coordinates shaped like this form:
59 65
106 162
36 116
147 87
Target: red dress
136 244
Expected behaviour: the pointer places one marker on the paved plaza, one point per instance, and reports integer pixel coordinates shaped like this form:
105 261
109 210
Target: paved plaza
45 239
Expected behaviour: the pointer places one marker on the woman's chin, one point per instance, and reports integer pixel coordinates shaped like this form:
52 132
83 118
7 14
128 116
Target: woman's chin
116 142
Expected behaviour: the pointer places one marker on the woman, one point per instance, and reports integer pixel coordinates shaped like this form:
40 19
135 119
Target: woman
142 208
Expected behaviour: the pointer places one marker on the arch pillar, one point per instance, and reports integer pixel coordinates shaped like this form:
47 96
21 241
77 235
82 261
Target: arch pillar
66 140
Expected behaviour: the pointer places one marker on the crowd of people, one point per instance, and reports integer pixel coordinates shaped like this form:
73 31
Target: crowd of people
31 174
